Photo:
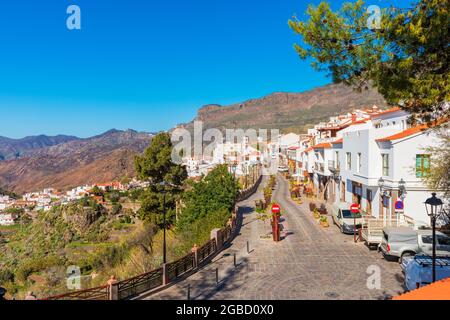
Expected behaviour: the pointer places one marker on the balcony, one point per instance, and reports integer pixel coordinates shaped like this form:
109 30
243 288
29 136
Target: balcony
334 166
319 167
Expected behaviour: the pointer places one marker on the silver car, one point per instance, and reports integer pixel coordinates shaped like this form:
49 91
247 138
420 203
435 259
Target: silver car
401 242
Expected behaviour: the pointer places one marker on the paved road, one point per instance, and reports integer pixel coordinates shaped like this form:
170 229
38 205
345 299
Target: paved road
309 263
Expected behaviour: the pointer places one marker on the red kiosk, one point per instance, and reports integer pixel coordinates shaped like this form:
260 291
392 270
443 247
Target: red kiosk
276 222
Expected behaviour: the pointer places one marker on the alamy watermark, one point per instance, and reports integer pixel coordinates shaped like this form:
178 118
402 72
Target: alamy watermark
73 21
73 281
374 20
374 279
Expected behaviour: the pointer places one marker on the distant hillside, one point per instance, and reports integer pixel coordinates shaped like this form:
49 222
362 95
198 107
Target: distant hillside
288 111
98 159
64 161
15 148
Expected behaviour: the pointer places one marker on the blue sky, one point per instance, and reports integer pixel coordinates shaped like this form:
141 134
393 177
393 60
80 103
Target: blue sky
145 65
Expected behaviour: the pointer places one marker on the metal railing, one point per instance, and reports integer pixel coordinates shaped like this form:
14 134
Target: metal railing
154 279
97 293
205 251
334 166
319 167
180 267
139 284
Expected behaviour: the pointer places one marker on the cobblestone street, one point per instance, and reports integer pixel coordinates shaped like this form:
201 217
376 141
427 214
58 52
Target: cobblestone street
310 263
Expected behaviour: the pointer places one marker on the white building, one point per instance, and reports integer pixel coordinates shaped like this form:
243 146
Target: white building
382 147
6 219
5 202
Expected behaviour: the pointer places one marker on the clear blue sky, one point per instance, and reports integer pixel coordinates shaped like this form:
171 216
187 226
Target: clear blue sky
145 65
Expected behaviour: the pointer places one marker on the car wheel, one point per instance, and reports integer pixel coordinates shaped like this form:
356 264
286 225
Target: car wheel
404 255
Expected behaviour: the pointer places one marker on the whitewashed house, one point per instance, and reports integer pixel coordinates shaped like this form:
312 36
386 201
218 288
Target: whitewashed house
382 151
6 219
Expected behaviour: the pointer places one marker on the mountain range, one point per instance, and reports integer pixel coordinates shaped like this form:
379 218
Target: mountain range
74 162
34 163
289 112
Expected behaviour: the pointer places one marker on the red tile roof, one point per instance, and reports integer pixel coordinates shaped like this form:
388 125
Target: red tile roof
325 145
394 109
409 132
341 140
439 290
360 121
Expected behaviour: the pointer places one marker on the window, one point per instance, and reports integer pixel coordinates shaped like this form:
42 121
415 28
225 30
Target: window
444 241
347 214
385 158
427 239
422 165
358 162
348 156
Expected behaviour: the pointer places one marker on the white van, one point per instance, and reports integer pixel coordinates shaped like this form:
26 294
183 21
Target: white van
345 219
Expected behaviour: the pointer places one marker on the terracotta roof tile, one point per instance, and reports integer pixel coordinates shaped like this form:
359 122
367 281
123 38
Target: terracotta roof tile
325 145
412 131
439 290
394 109
341 140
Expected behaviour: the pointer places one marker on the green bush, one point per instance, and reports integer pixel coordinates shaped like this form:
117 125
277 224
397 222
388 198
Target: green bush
6 276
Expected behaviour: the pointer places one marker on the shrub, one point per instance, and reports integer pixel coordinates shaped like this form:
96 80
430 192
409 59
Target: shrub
6 276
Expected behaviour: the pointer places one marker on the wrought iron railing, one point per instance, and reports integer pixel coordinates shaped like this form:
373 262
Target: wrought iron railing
206 250
132 287
180 267
227 233
139 284
334 166
97 293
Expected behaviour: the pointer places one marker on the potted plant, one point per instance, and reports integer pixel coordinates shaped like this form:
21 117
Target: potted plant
324 222
316 213
323 209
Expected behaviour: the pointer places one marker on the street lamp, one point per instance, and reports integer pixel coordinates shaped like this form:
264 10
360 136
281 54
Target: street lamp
381 183
402 188
233 168
163 184
433 206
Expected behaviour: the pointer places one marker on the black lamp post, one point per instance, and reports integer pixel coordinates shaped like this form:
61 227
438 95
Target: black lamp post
434 209
381 183
163 184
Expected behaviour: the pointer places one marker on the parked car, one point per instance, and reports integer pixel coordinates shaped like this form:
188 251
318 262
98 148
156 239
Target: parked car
400 242
283 169
345 219
418 270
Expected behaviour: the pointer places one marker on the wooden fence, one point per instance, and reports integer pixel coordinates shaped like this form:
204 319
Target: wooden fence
158 279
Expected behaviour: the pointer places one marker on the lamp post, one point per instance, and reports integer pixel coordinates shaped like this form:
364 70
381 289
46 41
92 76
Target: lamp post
433 206
402 188
164 223
163 184
233 168
381 184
